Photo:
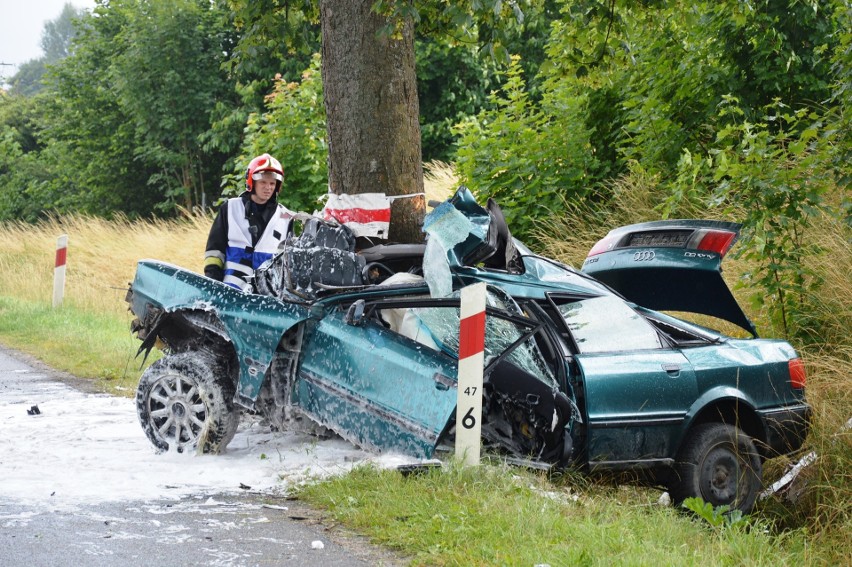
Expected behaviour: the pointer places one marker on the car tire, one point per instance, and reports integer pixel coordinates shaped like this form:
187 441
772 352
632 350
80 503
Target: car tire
184 404
720 464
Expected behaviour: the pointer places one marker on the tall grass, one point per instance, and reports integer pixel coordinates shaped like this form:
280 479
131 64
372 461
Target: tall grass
101 256
825 505
89 334
439 180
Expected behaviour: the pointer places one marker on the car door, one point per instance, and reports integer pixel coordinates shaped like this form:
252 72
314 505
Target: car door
383 372
375 386
636 388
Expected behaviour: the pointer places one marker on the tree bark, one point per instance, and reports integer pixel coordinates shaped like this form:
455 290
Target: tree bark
372 111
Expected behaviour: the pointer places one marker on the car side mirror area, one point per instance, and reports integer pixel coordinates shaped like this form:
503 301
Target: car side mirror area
317 311
355 314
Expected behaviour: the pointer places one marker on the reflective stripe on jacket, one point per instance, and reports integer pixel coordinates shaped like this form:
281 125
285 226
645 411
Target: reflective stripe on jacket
241 259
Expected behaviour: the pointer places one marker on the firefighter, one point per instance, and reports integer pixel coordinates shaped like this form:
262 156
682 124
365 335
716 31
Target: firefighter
248 229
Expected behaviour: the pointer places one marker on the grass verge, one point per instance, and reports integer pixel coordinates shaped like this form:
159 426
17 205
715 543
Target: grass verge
86 344
494 515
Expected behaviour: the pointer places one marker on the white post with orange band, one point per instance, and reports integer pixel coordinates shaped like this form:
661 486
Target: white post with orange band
59 270
471 362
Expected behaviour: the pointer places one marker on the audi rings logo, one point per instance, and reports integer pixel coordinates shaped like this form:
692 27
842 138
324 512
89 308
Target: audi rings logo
643 256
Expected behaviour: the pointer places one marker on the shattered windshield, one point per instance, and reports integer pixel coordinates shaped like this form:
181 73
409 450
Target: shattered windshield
443 329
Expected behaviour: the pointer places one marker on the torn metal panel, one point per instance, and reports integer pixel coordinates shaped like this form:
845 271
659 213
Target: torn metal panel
786 484
254 323
790 476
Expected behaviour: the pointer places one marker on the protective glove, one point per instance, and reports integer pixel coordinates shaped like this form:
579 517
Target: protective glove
214 272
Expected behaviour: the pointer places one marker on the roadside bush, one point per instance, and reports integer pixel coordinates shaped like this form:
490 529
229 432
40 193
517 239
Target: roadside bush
528 157
773 177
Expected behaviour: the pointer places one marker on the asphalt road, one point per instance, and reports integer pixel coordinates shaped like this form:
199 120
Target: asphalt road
232 529
227 530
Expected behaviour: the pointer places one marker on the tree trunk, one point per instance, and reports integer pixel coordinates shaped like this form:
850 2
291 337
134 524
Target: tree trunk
372 111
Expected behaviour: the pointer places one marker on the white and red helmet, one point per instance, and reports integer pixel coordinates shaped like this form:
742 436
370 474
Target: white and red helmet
261 164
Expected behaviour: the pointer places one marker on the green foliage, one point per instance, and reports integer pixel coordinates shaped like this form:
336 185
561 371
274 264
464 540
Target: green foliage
28 176
455 52
772 176
493 24
527 157
11 162
166 77
474 41
87 137
27 81
718 517
448 98
627 82
292 129
270 42
132 106
715 99
842 100
271 38
125 121
664 69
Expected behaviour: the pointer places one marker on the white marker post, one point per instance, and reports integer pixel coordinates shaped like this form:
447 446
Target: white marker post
59 270
471 362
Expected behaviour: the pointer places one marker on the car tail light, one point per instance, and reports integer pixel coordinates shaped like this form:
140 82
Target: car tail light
605 244
718 241
797 373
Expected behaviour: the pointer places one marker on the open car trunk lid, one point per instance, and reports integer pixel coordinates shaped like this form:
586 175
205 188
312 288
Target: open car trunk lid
671 265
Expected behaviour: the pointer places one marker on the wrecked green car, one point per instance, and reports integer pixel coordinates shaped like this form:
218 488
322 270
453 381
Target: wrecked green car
582 368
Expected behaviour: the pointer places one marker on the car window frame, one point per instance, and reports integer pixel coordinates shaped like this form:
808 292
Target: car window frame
561 365
557 299
527 327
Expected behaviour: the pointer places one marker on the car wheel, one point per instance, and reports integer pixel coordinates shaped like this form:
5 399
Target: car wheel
184 406
720 464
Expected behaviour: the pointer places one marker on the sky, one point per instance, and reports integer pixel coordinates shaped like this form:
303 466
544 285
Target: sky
21 25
